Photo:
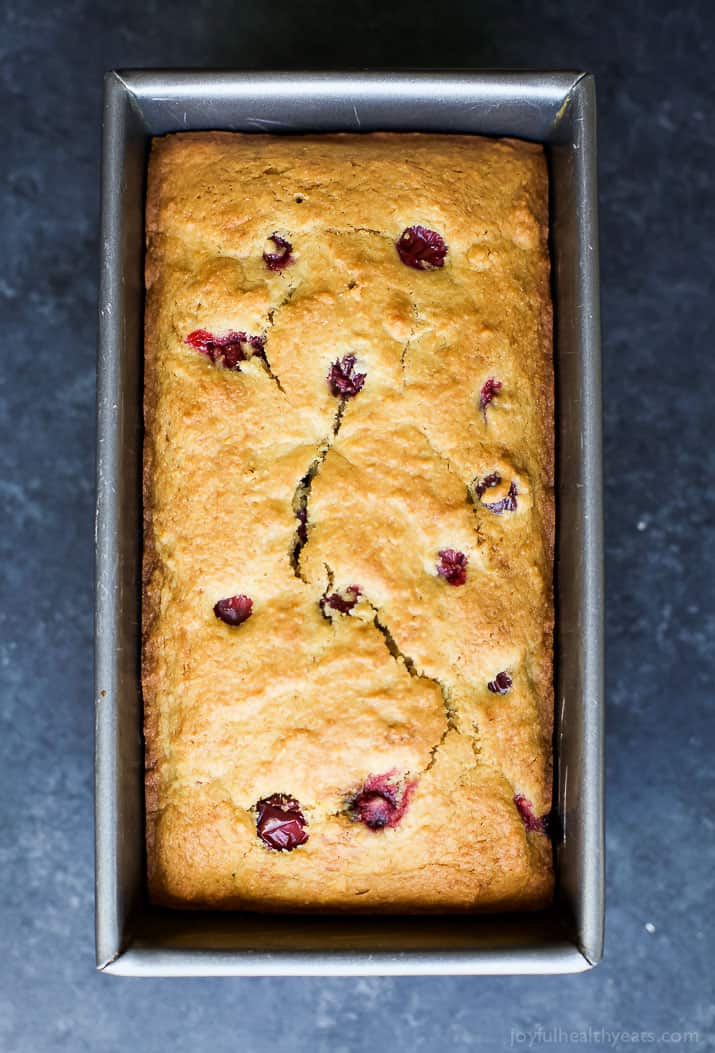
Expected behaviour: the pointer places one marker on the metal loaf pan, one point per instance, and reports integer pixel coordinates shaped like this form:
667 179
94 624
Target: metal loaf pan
556 108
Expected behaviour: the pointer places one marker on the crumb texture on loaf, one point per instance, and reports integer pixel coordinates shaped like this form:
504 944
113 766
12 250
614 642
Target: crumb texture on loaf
349 519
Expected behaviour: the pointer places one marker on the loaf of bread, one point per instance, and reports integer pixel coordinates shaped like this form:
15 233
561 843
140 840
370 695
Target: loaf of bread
349 520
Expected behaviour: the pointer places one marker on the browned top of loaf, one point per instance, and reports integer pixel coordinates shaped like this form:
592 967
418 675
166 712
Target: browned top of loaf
292 701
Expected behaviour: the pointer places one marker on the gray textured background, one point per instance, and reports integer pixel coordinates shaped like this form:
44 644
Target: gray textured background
654 72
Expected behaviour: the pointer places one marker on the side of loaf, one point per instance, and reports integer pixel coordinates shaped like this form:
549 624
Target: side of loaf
349 523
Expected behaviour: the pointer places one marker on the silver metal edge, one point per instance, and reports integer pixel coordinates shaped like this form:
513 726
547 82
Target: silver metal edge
107 921
547 961
591 922
165 85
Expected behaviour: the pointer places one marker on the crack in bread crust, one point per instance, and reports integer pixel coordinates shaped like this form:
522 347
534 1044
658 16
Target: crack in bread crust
301 497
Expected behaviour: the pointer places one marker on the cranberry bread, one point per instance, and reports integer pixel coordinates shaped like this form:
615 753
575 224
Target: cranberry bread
347 621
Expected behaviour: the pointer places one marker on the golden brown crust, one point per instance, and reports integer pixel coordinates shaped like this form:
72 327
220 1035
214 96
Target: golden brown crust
151 567
292 702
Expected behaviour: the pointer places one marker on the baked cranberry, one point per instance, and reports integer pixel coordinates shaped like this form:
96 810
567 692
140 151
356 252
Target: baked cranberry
343 380
373 809
536 824
341 601
500 684
278 261
490 389
452 566
280 823
381 802
227 351
506 504
482 485
421 248
234 610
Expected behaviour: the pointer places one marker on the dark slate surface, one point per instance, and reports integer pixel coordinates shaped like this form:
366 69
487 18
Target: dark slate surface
655 85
